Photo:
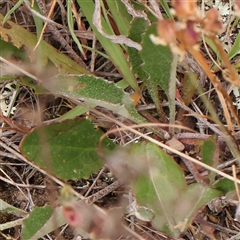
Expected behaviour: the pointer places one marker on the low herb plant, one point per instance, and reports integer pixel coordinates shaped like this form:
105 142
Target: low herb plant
171 54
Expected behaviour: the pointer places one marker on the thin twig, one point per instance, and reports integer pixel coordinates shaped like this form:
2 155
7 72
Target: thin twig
95 181
102 193
22 185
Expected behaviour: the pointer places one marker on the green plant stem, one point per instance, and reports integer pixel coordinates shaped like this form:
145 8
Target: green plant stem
172 92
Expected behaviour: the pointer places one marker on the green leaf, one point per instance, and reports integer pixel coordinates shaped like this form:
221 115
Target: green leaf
77 111
37 218
212 45
157 64
6 208
38 89
13 9
8 50
138 27
96 91
157 60
37 20
165 5
207 151
189 85
172 92
224 185
143 213
70 26
161 184
88 87
67 149
120 15
27 40
162 188
191 200
42 58
153 63
210 155
235 48
53 222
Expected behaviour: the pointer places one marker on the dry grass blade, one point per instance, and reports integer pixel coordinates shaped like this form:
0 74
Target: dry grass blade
13 125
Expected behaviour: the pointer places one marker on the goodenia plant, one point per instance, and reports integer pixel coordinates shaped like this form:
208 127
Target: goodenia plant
147 50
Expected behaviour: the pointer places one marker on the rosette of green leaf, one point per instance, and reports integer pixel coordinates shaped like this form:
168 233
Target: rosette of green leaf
67 150
114 51
160 186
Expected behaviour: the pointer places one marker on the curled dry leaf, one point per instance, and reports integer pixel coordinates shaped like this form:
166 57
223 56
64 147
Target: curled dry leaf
13 125
116 39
